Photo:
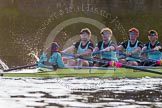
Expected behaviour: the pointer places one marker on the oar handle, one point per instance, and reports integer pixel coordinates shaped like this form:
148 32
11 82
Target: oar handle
67 54
97 53
20 67
141 69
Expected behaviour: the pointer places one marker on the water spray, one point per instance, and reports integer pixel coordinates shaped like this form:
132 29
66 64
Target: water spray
4 66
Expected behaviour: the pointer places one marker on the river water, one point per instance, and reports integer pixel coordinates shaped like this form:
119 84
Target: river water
80 92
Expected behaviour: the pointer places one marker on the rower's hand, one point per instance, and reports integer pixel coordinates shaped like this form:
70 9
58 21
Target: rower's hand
77 55
128 54
47 63
105 50
155 49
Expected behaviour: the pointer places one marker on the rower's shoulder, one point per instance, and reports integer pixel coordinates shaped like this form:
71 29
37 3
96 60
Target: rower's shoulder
138 42
99 43
158 43
76 43
124 43
146 43
112 43
90 42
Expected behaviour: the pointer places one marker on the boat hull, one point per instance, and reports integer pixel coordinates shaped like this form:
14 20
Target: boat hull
110 73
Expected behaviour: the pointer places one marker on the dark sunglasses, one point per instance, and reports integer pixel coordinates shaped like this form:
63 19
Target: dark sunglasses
132 33
152 33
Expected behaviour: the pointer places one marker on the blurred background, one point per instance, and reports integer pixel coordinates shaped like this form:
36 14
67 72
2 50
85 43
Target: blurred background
30 25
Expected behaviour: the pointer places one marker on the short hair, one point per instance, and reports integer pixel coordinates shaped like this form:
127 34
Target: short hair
85 30
152 32
106 29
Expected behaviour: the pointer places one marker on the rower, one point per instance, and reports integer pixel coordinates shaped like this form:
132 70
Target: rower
153 48
133 48
51 58
84 49
107 47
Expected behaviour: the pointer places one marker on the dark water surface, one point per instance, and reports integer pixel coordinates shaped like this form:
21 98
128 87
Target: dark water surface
80 92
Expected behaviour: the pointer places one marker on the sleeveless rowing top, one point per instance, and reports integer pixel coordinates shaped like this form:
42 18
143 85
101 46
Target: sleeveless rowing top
110 55
55 59
82 50
130 49
155 55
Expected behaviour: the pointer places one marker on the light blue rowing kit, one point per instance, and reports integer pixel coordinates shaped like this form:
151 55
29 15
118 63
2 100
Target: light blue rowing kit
83 50
130 49
55 59
155 55
109 55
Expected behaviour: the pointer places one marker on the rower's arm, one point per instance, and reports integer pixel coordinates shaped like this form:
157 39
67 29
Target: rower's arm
42 62
60 63
120 47
70 49
95 49
144 48
42 65
88 52
42 59
157 48
111 48
138 49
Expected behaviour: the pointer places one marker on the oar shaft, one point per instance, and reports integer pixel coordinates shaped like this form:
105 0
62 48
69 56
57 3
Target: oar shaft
147 51
117 64
87 67
20 67
141 58
141 69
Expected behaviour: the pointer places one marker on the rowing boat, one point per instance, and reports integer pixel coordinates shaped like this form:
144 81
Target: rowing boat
121 71
83 72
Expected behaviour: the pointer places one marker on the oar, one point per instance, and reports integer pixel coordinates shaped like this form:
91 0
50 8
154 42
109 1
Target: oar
20 67
89 59
97 52
141 58
87 67
117 64
147 51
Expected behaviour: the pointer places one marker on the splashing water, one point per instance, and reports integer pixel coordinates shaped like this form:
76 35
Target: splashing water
5 67
34 55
